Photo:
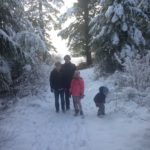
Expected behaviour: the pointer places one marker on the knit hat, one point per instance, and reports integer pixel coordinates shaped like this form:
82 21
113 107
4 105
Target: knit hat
104 90
67 57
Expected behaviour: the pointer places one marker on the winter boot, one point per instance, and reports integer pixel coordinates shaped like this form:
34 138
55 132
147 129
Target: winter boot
63 110
76 112
99 112
81 113
57 111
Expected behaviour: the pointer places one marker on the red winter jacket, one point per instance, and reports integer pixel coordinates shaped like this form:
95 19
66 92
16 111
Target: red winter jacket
77 87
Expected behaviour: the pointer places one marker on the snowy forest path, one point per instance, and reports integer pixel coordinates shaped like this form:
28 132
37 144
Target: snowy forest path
34 125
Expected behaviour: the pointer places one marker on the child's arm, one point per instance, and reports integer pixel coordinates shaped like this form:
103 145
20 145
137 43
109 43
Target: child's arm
96 98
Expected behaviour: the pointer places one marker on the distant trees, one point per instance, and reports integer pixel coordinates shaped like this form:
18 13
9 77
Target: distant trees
43 14
78 30
113 29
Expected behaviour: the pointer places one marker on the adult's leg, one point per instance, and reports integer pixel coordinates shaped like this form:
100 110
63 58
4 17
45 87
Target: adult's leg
56 93
67 100
62 100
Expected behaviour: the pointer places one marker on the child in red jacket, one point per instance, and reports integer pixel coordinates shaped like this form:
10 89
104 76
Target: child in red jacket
77 92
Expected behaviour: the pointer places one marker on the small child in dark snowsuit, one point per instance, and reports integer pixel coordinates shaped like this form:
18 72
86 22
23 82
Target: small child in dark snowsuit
99 100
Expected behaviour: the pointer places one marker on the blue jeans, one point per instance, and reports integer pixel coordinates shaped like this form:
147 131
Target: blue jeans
67 99
57 94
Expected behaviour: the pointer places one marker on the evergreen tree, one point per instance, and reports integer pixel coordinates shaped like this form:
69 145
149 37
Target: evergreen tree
21 42
145 6
117 32
78 30
11 12
44 17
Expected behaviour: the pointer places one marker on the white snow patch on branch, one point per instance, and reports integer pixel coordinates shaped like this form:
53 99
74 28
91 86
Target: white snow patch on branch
115 39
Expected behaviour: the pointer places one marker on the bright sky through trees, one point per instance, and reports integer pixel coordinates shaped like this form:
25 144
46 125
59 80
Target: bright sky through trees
57 41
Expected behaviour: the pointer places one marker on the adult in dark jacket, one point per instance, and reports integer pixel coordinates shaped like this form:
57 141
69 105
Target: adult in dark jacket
68 70
57 86
99 100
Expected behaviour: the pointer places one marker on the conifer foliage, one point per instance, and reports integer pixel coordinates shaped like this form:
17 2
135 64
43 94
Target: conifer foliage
77 32
118 32
23 37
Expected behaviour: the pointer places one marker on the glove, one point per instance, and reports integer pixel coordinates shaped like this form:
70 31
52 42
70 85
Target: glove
82 96
52 90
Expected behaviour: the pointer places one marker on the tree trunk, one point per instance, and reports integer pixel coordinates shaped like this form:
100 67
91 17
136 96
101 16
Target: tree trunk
86 34
41 17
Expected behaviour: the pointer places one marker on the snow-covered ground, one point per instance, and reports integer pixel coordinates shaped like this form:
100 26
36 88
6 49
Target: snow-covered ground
33 124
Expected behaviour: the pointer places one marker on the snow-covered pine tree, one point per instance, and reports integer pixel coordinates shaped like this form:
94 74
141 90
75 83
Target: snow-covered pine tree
77 32
145 6
20 44
10 53
43 14
117 32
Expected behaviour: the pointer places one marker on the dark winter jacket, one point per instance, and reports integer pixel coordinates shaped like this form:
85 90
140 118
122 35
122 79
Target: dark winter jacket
56 80
68 70
100 97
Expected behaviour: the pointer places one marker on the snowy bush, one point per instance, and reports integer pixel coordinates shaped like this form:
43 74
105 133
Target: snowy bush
131 93
32 80
138 71
134 82
32 46
146 100
121 79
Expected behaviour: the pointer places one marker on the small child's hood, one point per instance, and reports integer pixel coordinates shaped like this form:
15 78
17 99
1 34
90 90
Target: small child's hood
103 90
